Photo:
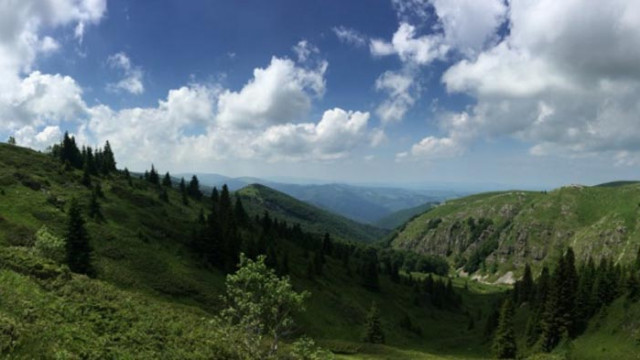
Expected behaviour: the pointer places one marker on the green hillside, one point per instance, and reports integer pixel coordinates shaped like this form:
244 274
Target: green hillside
400 217
158 284
499 232
154 297
258 198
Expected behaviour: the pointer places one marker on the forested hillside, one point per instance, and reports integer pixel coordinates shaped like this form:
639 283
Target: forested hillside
131 266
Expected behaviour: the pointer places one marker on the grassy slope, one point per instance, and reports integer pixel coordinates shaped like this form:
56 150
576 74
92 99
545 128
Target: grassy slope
257 198
151 298
536 225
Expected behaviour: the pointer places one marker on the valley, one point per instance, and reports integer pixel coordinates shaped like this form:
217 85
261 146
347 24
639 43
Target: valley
161 252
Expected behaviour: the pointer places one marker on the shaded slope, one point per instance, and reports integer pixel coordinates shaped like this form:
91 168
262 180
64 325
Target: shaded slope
400 217
258 198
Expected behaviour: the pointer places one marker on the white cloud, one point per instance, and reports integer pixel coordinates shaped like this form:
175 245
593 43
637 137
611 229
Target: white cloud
29 136
265 120
398 87
132 80
419 50
332 137
31 98
350 36
41 99
565 80
278 94
469 24
407 10
304 50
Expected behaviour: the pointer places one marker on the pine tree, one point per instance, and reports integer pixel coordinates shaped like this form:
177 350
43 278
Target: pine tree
78 249
166 181
108 159
504 343
153 176
86 176
526 285
95 210
183 192
194 188
373 328
240 213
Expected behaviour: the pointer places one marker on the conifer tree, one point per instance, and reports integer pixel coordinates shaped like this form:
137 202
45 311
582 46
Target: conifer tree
183 192
77 247
127 176
166 181
86 176
504 343
526 285
194 188
373 328
153 176
108 159
95 210
215 196
240 213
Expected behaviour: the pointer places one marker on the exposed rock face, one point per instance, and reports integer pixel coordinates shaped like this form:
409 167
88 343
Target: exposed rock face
510 229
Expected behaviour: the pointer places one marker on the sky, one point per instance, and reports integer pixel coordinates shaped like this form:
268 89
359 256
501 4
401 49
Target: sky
523 93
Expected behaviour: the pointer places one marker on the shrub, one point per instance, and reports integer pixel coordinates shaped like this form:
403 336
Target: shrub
49 245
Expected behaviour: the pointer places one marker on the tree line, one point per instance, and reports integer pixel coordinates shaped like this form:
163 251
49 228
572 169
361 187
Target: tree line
561 302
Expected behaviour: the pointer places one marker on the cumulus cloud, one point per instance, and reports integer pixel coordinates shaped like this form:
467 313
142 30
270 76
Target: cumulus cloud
565 79
279 93
409 47
30 99
469 24
265 120
350 36
132 75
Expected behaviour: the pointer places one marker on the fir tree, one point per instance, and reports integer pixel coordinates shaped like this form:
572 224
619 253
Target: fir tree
153 176
240 213
78 249
183 192
166 181
108 159
504 343
95 210
194 188
526 285
373 328
86 176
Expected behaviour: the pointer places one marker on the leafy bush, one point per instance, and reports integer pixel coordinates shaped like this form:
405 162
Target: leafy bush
49 245
9 334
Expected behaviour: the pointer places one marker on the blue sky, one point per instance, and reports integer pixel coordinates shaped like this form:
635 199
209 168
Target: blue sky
526 94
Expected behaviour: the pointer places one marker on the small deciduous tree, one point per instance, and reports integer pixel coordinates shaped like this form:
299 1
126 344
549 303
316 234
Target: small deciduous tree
259 307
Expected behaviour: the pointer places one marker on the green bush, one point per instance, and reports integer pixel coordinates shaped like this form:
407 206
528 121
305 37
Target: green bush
49 245
9 334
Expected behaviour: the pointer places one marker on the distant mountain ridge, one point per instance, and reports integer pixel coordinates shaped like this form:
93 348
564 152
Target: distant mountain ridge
258 198
364 204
